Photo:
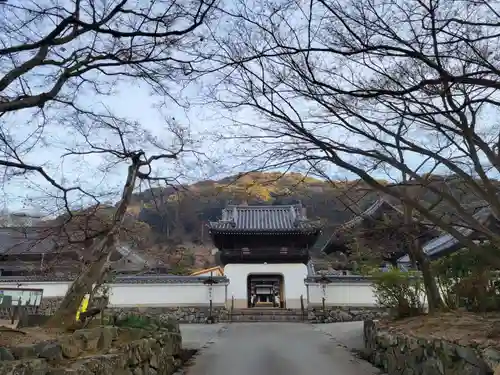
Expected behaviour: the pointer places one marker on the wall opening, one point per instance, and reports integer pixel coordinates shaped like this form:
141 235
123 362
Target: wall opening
266 290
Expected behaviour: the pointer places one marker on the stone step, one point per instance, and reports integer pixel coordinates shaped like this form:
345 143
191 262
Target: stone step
267 315
267 311
267 318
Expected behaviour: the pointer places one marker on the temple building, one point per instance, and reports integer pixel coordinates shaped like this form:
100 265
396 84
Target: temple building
31 251
380 231
447 244
265 253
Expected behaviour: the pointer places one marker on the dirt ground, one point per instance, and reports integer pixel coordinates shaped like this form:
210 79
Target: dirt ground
460 327
32 335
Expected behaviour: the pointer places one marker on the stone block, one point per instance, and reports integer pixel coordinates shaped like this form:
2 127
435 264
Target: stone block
64 371
140 351
491 356
105 364
88 338
71 347
131 334
49 351
24 367
24 351
106 337
6 354
171 343
169 323
469 355
163 364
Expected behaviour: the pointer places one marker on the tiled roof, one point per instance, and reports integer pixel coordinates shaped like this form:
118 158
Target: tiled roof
337 278
380 205
134 279
24 240
444 244
375 207
282 218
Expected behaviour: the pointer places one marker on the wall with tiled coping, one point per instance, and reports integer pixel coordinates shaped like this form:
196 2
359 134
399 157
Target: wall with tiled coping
176 291
347 298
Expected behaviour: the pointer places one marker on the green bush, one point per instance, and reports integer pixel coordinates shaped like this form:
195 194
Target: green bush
135 321
401 292
467 281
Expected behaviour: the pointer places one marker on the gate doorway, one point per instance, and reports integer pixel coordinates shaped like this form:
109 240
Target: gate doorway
266 290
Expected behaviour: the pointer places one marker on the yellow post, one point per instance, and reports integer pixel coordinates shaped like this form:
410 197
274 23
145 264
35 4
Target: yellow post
83 306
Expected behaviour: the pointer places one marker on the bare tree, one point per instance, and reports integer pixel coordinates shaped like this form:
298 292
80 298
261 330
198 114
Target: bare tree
60 63
353 84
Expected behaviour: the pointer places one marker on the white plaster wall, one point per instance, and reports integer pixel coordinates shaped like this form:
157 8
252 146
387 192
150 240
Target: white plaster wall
342 294
127 295
293 275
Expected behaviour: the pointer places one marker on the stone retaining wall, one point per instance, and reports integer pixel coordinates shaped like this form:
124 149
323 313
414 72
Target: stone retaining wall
400 354
334 314
99 351
198 314
48 305
184 314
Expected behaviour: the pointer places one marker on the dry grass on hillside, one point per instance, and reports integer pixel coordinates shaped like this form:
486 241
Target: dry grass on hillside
460 327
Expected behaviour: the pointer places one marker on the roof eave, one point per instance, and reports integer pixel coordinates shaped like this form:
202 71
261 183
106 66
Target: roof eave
277 231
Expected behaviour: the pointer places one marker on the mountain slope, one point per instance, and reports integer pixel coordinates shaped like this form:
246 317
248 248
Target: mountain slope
177 216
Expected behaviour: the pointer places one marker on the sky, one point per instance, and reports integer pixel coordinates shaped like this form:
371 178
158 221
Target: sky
216 156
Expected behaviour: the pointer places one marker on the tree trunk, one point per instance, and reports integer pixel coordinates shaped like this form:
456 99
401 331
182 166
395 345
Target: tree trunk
418 257
66 313
434 299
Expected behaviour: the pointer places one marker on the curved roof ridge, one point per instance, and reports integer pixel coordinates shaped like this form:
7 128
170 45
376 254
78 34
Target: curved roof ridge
246 206
370 211
284 218
441 245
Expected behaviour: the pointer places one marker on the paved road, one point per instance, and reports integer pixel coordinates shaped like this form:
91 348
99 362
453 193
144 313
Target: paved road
197 336
275 349
349 334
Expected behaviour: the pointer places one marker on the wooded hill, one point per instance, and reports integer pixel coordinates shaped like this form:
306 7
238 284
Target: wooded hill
177 215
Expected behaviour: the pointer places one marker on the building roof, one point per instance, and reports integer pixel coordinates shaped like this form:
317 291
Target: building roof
446 243
123 279
279 218
16 242
24 240
375 207
217 270
379 206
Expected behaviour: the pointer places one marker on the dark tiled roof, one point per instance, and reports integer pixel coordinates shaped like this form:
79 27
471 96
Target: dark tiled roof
135 279
282 218
337 278
446 243
24 240
379 206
